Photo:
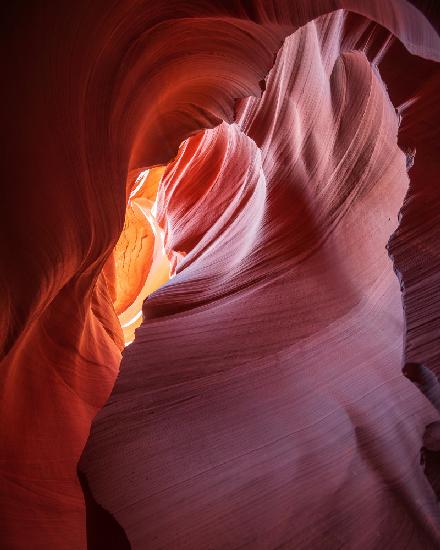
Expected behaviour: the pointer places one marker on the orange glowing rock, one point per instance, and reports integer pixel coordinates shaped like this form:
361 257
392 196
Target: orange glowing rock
140 262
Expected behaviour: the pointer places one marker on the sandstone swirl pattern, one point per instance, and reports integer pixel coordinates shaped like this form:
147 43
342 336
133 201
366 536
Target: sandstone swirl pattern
262 403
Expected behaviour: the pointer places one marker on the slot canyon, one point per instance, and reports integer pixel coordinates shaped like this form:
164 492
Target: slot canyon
220 282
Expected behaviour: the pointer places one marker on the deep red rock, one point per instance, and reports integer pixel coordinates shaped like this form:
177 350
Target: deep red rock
262 403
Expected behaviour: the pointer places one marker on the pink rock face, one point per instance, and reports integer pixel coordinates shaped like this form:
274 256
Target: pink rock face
262 403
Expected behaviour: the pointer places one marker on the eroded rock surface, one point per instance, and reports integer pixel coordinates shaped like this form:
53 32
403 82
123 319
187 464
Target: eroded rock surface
262 403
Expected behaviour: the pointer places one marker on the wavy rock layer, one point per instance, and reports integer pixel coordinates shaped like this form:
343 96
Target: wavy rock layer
262 402
270 407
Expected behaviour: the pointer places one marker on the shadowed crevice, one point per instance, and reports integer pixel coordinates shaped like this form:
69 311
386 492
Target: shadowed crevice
103 531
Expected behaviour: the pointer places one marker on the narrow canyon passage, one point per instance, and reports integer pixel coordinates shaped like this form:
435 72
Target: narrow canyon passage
242 199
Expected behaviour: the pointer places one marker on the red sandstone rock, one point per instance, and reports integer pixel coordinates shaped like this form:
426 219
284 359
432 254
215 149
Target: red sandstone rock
262 402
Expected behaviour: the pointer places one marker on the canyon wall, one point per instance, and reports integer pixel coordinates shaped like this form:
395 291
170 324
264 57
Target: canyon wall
262 402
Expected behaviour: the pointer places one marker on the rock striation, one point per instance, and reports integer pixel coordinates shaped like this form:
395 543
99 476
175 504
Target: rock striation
278 163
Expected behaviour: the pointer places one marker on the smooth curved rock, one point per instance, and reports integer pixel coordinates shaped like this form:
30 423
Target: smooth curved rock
269 366
270 406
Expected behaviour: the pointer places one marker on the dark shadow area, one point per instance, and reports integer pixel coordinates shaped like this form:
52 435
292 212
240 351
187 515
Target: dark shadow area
103 531
430 456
